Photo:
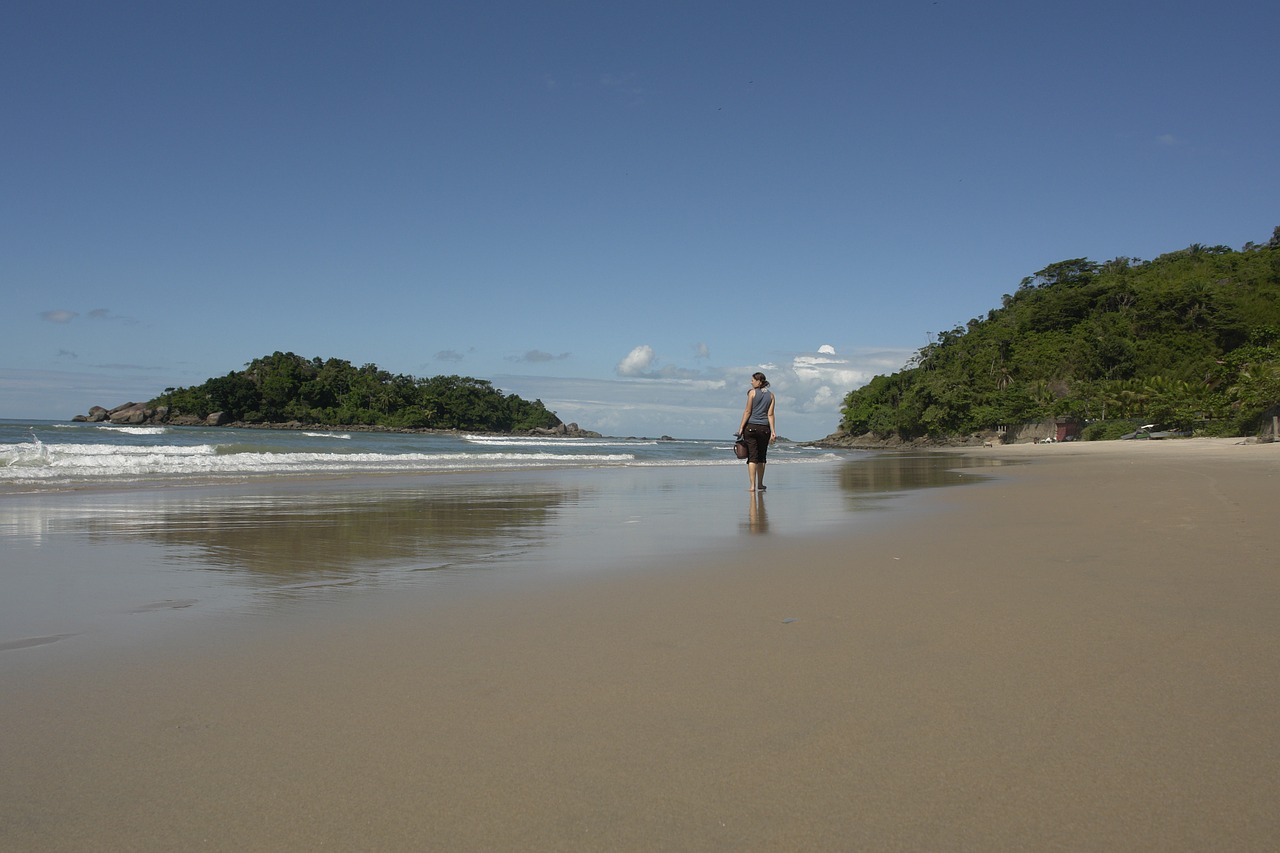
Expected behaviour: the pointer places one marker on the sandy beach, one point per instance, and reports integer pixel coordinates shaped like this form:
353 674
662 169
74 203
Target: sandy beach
1081 654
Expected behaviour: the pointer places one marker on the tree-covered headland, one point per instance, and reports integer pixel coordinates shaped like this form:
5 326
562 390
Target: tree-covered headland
1190 340
284 387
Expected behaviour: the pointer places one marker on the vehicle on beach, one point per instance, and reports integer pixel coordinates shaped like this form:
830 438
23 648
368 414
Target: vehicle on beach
1149 431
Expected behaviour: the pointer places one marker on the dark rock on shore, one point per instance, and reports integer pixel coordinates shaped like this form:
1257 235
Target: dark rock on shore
566 431
134 414
1026 434
871 441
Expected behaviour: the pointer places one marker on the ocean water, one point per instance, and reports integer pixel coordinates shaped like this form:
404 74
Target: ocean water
124 531
43 455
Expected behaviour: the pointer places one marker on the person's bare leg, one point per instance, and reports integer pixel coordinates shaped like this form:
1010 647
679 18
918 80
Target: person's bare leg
752 477
759 481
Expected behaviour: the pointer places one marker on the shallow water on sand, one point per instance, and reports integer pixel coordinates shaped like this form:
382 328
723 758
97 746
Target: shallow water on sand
125 562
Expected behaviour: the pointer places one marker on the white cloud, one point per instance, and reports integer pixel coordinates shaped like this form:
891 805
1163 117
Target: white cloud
642 363
535 356
105 314
62 315
636 362
819 382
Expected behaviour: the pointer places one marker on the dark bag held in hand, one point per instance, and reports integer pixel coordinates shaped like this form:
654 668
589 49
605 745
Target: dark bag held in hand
740 447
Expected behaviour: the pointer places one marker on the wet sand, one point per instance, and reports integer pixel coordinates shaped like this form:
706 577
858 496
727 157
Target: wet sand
1081 654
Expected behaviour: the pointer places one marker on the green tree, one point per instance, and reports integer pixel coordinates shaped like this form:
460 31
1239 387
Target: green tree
1127 338
284 386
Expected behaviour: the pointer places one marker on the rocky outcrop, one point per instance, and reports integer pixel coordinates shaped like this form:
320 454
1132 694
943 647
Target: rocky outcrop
128 413
131 413
564 430
135 414
871 441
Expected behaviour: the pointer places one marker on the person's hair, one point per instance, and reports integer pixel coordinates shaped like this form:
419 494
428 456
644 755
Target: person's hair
759 377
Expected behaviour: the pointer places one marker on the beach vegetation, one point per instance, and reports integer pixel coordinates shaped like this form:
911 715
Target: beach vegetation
1190 339
1108 430
284 387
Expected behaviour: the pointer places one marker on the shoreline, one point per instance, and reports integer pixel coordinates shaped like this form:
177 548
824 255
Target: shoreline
1077 654
837 441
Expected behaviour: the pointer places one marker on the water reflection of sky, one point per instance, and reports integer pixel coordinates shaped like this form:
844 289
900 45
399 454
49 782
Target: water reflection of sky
77 561
875 478
274 536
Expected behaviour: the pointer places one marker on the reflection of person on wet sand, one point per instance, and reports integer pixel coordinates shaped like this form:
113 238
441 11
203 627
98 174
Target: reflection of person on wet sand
758 429
757 518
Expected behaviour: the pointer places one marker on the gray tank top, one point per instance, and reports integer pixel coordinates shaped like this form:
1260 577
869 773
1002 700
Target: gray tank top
760 406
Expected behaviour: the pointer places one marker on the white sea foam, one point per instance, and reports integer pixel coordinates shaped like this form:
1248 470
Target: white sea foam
346 436
36 462
135 430
551 441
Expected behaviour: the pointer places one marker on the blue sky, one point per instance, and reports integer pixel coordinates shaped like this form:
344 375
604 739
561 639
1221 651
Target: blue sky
622 209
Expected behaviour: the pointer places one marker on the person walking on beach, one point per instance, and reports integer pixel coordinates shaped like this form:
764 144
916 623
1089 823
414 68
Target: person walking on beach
758 429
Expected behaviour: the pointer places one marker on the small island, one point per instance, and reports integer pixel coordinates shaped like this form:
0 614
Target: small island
287 391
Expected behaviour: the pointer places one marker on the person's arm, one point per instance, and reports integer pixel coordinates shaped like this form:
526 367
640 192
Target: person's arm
746 413
773 430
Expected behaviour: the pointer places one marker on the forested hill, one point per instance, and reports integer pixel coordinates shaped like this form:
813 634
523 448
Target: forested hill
286 387
1189 340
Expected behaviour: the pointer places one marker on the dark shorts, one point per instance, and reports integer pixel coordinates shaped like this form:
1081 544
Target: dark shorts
757 438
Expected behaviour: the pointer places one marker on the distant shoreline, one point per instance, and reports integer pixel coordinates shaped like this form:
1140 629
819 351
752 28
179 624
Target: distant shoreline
297 426
849 442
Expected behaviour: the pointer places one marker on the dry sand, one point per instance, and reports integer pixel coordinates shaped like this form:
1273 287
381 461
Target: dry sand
1082 655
